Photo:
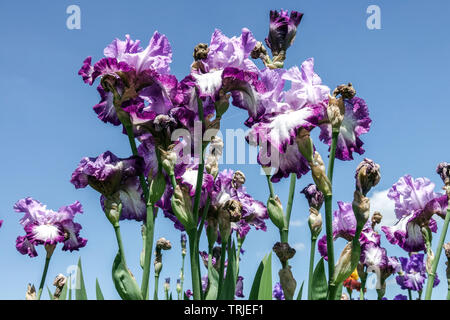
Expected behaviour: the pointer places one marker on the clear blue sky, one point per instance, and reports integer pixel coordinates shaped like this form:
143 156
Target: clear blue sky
47 123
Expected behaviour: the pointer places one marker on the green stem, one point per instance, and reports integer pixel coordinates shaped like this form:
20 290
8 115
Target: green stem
448 290
182 275
119 242
269 183
285 231
149 229
329 219
222 266
410 294
195 266
363 287
44 275
438 255
155 293
311 266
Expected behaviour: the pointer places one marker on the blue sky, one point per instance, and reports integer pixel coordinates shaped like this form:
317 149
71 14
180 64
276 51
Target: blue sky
47 124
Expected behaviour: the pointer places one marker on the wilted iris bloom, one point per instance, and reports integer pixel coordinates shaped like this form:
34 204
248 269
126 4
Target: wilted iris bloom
282 30
47 227
313 195
110 175
240 287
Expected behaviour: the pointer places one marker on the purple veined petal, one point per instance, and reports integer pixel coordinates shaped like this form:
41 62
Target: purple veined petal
322 247
356 122
231 52
109 66
411 194
24 246
406 234
33 210
344 221
209 83
373 255
118 48
87 70
313 195
105 109
72 240
400 297
413 274
44 233
147 151
241 227
157 56
240 287
69 212
278 293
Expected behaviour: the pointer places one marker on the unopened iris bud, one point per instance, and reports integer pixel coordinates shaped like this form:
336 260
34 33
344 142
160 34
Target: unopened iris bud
259 52
315 222
319 175
157 187
284 251
182 207
313 195
211 231
31 292
167 285
276 214
224 221
282 31
201 51
361 209
335 112
347 262
168 159
443 170
183 242
178 287
238 179
376 219
305 144
367 176
113 208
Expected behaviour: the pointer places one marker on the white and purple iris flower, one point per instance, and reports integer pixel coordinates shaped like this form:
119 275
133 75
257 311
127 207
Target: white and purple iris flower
356 122
47 227
285 113
415 204
109 175
413 273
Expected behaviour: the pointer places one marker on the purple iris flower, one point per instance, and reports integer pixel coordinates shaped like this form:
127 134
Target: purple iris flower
240 287
278 293
413 273
313 195
282 30
47 227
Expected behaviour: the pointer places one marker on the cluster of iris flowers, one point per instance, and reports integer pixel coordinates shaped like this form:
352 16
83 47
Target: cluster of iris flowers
173 168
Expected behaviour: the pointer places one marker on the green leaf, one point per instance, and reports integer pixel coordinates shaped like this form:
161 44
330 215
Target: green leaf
50 294
299 297
170 297
319 282
213 277
265 287
80 290
229 286
185 296
70 287
256 281
125 283
98 291
63 295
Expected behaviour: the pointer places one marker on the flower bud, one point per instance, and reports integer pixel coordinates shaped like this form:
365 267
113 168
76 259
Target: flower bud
347 262
367 176
167 285
347 91
361 209
182 207
315 222
178 288
31 292
282 31
201 51
313 195
443 170
211 231
163 244
113 208
276 214
335 112
168 159
447 250
224 220
319 175
305 144
157 187
287 282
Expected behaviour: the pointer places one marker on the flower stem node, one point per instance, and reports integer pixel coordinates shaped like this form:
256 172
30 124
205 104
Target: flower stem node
284 251
276 214
168 159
